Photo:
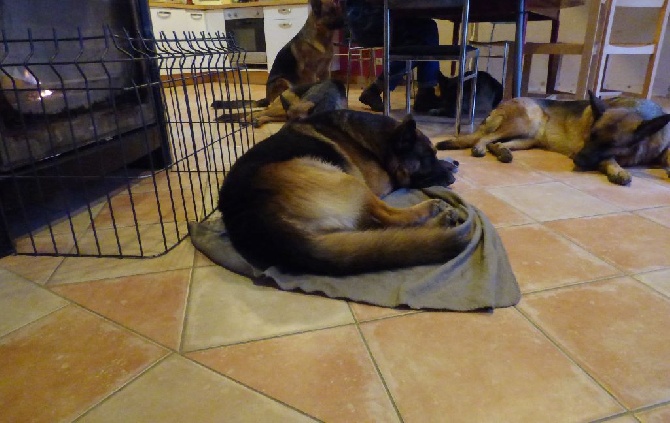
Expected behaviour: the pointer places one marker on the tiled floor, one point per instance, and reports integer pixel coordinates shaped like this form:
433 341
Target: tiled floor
176 339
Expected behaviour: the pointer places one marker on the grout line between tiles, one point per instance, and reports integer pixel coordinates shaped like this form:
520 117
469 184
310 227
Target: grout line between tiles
584 247
572 359
187 307
32 322
122 387
616 416
573 284
281 335
119 325
651 407
251 388
653 288
379 372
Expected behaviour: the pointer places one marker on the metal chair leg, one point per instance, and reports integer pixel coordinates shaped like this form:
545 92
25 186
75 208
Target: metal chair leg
348 68
408 86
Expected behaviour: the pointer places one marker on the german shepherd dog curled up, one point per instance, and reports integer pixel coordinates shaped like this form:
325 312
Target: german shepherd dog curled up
595 133
307 199
305 59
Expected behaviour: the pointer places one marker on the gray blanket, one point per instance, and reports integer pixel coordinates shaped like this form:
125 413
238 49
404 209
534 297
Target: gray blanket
480 277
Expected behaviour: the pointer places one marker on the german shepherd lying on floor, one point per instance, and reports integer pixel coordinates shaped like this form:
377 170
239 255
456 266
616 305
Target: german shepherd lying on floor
296 103
307 199
595 133
305 59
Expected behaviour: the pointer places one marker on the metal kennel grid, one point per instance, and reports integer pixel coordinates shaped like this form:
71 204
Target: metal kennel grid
108 144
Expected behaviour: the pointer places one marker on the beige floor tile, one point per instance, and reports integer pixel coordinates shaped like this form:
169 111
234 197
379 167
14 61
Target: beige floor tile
177 390
639 194
225 308
617 330
201 260
149 207
365 312
555 165
145 240
659 280
626 418
552 201
461 184
153 304
84 269
659 215
36 269
630 242
58 236
542 259
499 212
656 415
22 302
656 175
466 367
327 374
464 157
45 242
488 172
58 367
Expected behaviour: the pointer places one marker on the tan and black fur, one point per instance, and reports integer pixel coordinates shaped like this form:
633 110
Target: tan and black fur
297 102
305 59
595 133
308 198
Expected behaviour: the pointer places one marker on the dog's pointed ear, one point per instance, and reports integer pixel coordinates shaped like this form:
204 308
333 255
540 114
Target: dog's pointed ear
598 106
651 126
315 5
405 133
408 123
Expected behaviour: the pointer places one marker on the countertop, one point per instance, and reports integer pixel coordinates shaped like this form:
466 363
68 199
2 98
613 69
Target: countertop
260 3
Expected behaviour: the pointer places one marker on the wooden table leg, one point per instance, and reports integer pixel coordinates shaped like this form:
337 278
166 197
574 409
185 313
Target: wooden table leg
554 60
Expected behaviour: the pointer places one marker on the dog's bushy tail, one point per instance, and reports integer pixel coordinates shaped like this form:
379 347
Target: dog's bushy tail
239 104
344 253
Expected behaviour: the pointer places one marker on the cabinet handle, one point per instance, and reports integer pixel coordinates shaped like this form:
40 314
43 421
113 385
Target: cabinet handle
285 25
285 10
196 16
164 14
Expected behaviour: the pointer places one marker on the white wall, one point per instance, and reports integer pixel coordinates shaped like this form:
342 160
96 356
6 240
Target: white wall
625 72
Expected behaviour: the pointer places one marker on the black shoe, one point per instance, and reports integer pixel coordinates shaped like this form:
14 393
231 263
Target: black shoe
426 100
372 96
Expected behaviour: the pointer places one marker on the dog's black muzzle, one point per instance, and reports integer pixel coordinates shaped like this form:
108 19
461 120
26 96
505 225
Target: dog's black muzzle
442 175
588 158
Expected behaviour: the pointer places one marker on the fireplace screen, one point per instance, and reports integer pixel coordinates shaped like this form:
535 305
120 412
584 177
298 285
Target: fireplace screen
108 146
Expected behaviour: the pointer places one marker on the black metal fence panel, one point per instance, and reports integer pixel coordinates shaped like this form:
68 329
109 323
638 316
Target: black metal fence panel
108 144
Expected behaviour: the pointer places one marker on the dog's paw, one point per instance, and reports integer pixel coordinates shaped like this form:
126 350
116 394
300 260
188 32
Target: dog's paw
502 153
438 206
478 151
620 178
448 144
448 218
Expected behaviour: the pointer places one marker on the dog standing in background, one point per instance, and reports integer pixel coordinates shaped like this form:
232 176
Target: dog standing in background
306 59
595 133
307 199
